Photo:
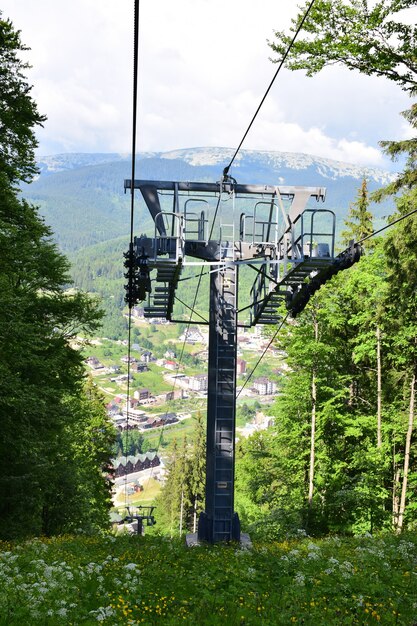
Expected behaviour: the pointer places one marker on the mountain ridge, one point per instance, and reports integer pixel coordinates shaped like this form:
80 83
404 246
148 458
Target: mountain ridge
220 156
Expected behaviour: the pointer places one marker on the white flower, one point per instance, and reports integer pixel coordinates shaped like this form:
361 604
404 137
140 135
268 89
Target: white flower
131 566
102 613
300 579
312 547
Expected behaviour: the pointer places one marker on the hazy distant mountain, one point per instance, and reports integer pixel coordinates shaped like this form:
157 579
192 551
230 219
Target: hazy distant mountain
248 162
81 195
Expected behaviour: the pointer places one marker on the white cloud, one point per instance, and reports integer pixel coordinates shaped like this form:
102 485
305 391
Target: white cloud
203 70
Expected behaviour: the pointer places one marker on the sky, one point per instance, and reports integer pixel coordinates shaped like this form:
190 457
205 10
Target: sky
204 66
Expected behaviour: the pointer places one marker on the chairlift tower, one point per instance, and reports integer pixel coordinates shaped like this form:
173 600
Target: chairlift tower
286 240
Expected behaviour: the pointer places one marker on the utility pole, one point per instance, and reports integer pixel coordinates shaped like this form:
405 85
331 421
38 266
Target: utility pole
287 244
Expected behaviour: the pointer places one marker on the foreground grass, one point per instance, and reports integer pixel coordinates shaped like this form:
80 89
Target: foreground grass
152 580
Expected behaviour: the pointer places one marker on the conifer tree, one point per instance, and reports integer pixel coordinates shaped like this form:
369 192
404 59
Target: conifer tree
41 367
359 219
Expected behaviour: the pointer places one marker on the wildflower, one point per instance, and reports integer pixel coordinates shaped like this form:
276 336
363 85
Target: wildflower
300 579
131 566
102 613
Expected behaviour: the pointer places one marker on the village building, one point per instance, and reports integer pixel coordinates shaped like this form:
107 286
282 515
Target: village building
127 359
264 387
94 363
138 368
175 394
141 394
170 354
192 335
123 378
240 367
128 465
146 357
198 383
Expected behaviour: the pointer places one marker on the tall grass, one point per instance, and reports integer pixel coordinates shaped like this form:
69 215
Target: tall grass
153 580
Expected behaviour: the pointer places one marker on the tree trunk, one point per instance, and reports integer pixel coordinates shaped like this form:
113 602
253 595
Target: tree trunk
395 497
379 388
312 441
181 510
313 426
407 456
195 515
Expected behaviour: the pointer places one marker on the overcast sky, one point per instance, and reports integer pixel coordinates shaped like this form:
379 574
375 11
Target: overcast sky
204 68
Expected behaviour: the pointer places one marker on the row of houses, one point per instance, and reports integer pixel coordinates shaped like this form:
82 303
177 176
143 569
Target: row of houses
127 465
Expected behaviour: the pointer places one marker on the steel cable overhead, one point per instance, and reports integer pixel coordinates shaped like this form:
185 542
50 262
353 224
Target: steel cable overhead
192 310
376 232
263 353
301 24
132 215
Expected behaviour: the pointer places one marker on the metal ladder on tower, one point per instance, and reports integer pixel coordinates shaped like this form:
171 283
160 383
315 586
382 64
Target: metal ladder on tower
226 351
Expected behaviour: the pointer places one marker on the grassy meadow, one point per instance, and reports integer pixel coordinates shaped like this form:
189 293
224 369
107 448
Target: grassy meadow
154 580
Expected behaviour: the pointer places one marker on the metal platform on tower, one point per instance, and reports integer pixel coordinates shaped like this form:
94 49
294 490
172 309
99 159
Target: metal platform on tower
279 234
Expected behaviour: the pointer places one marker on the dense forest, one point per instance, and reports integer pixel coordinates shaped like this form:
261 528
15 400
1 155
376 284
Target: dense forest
56 437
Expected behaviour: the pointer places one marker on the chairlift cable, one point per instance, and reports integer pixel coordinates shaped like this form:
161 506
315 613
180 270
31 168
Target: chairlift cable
192 309
376 232
226 169
179 361
182 280
263 353
132 214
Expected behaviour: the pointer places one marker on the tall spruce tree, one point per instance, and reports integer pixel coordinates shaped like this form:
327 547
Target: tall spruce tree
359 222
41 367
